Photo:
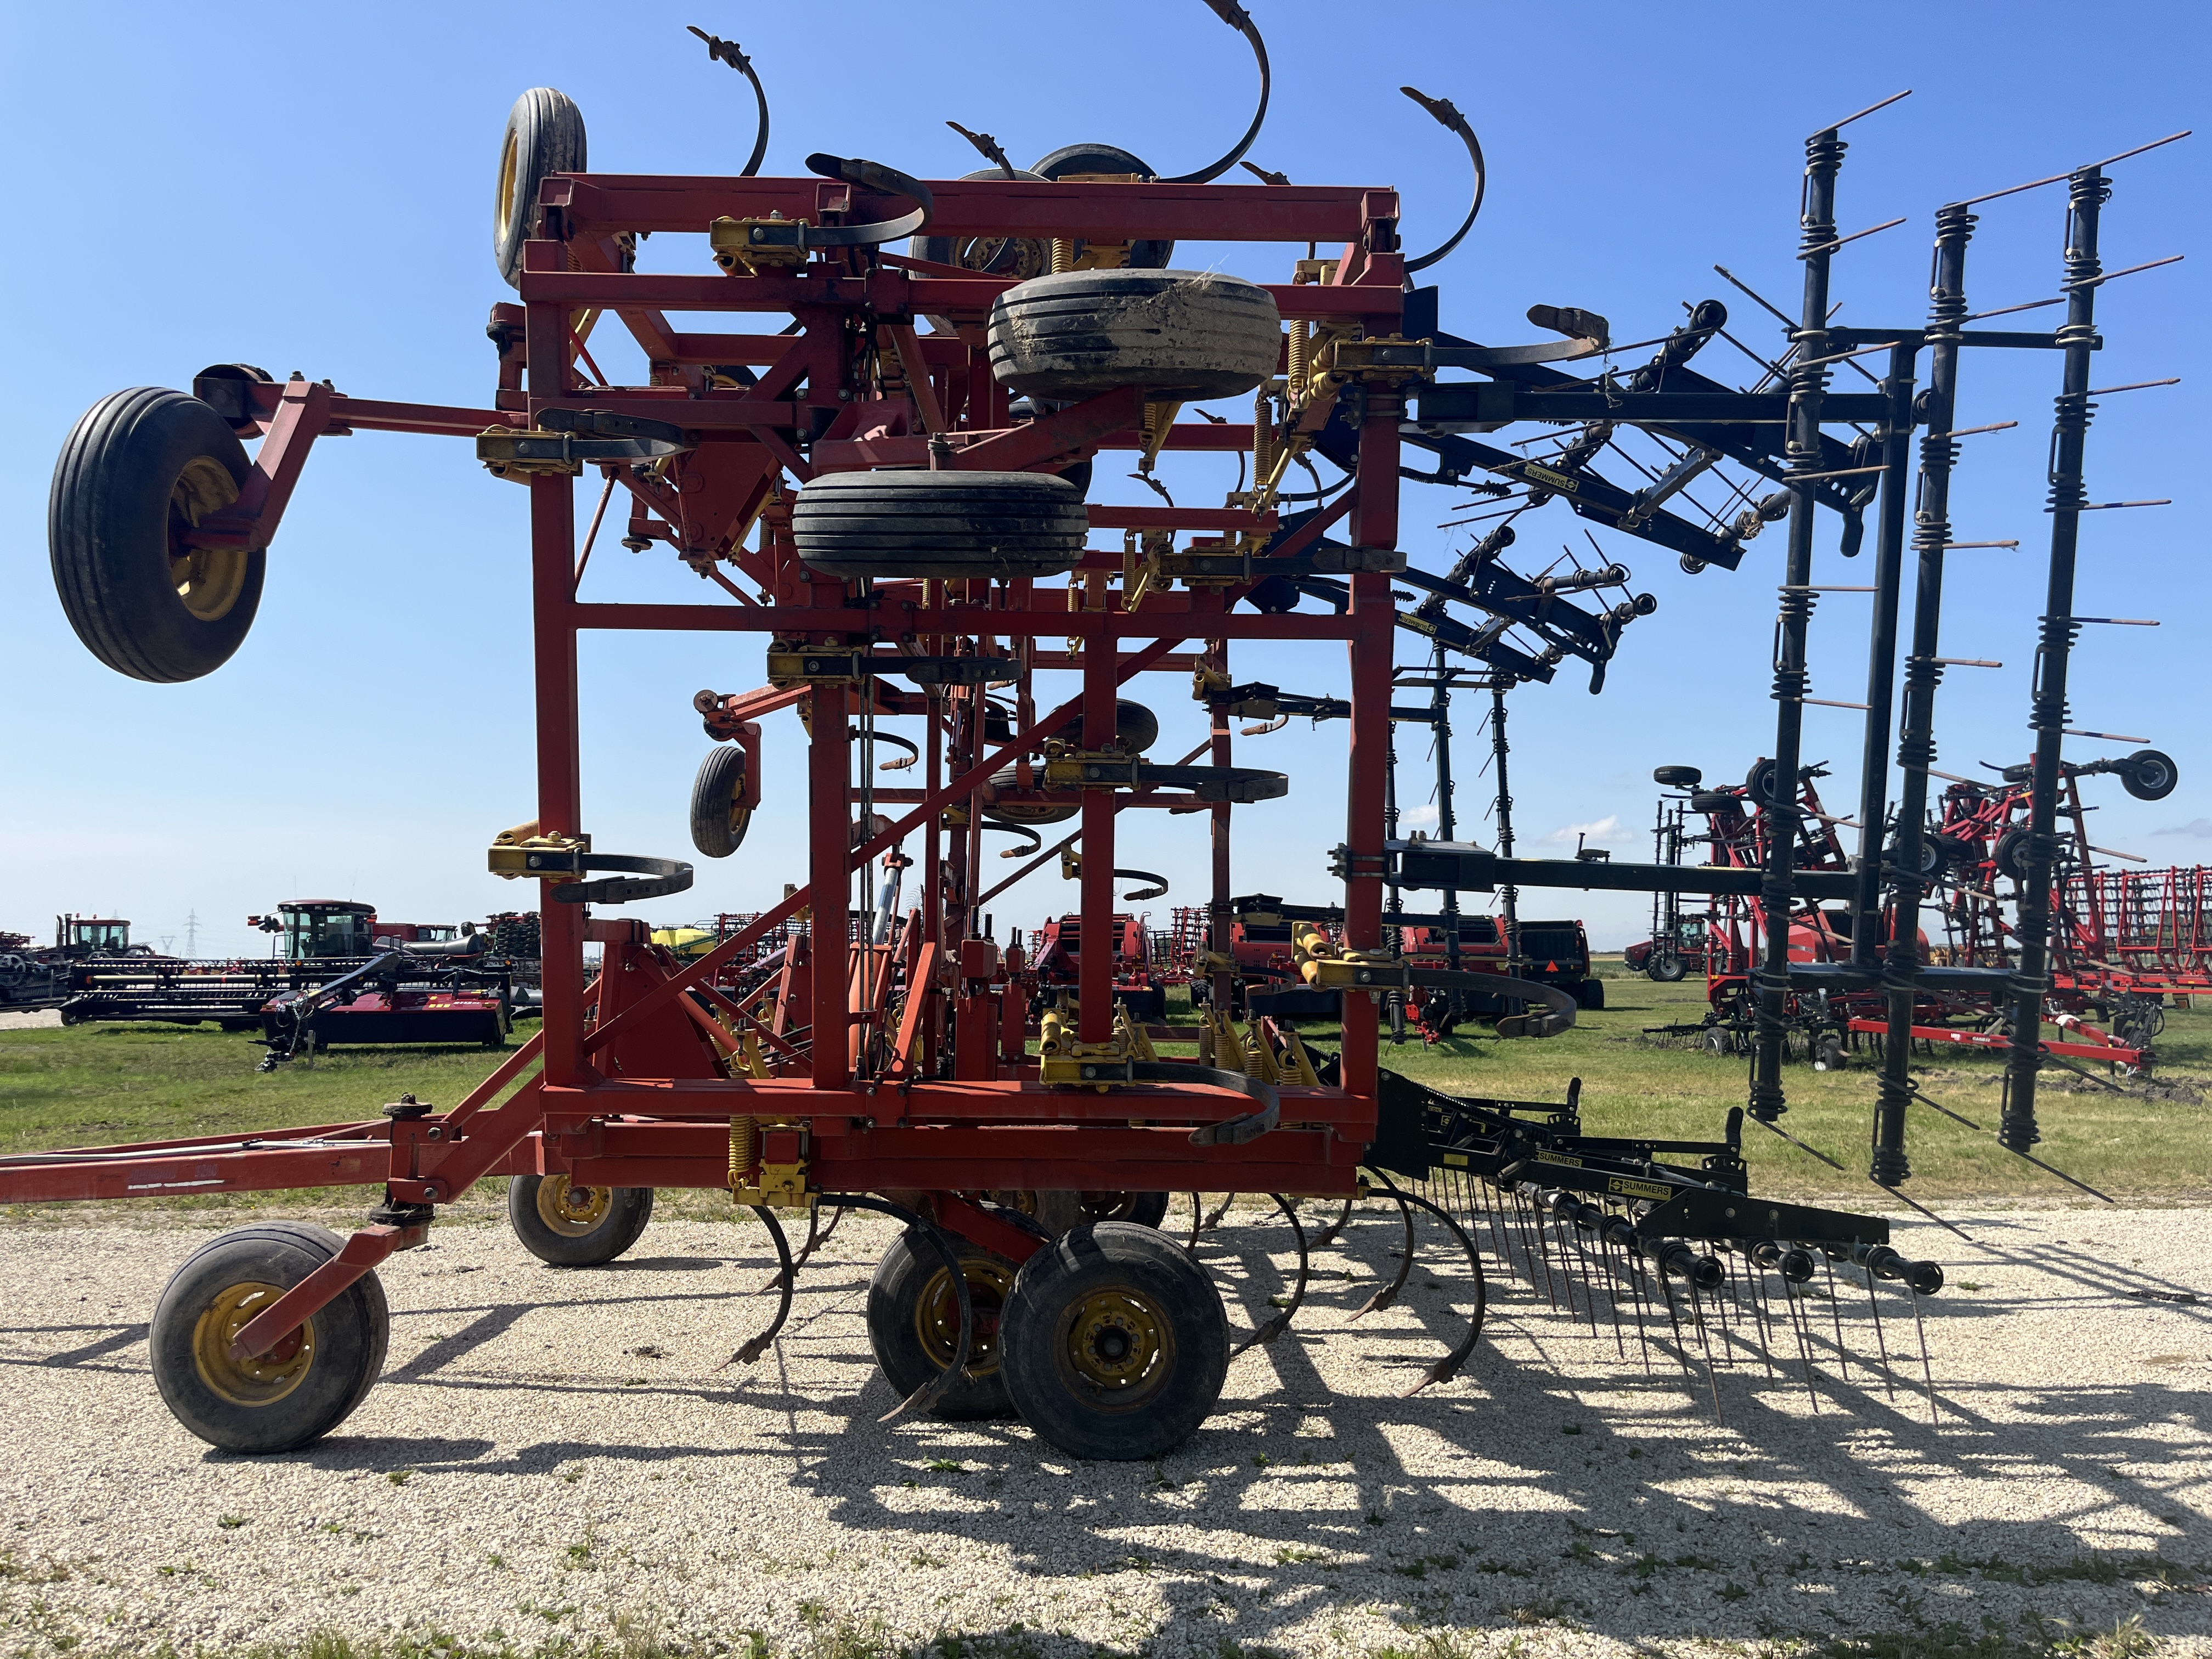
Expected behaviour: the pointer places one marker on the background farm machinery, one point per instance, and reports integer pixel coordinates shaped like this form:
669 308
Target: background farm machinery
889 514
2124 941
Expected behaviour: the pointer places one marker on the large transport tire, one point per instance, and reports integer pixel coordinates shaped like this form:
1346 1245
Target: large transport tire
1677 777
567 1225
1185 335
1114 1342
1020 257
141 468
950 524
1667 969
1589 994
718 822
544 135
301 1389
913 1323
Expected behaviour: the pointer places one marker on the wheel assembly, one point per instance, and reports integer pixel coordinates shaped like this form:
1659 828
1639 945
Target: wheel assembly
1003 526
566 1224
297 1391
1114 1342
914 1326
142 471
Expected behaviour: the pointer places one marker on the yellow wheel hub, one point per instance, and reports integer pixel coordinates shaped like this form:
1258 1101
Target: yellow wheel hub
209 580
1117 1341
503 202
570 1210
937 1314
260 1381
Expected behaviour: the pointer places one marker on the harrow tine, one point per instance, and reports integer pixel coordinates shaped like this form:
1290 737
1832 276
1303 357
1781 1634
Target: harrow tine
1281 1322
1926 1370
1675 1319
1219 1211
1612 1294
1636 1287
1757 1279
1880 1345
1388 1293
1706 1344
1836 1313
786 1278
1804 1347
1532 1245
1197 1225
1447 1367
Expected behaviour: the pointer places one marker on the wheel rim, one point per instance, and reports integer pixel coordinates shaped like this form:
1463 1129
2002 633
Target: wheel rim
937 1314
209 580
262 1380
503 202
572 1210
1118 1345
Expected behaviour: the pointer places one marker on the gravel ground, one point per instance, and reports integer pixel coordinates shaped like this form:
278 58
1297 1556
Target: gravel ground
33 1019
553 1462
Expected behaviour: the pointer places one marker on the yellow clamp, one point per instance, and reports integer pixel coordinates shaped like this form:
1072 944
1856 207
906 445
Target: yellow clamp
1062 1057
738 246
522 852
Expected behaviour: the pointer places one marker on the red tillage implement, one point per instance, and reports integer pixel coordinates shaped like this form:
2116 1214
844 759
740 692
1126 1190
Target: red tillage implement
898 508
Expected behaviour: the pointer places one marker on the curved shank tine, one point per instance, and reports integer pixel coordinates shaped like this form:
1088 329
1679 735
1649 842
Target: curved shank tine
1327 1235
1447 1367
786 1278
807 1249
729 52
1281 1322
1219 1211
1448 115
1240 20
1197 1226
926 1396
1388 1294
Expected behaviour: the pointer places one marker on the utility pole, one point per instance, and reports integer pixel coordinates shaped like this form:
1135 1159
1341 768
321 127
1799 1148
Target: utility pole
193 935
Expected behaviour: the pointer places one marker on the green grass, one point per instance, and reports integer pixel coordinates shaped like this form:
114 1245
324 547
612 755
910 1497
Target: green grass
91 1085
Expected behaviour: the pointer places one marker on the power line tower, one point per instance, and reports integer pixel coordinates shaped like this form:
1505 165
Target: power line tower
193 935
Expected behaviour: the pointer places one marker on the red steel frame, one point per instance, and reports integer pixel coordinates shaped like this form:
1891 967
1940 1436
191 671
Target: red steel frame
627 1092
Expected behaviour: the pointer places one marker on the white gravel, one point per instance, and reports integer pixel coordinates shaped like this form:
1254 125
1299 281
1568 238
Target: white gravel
553 1462
33 1019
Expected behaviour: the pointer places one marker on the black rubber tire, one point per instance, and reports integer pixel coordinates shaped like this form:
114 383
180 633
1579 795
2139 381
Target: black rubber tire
1027 811
718 822
910 1271
1136 728
1016 257
1677 777
951 524
1760 785
1716 800
1184 335
2009 853
544 135
1152 1411
2151 775
1140 1209
1107 158
1718 1040
139 467
1590 993
1668 969
350 1338
628 1209
1931 857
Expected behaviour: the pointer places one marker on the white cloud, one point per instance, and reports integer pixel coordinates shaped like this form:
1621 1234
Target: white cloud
1597 832
1418 817
2200 827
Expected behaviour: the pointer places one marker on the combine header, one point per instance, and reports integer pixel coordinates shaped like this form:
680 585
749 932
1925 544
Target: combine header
879 464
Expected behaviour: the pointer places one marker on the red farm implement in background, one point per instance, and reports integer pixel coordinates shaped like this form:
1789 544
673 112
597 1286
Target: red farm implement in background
879 460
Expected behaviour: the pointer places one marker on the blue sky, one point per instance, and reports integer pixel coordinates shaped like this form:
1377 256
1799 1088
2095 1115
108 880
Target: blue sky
308 188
